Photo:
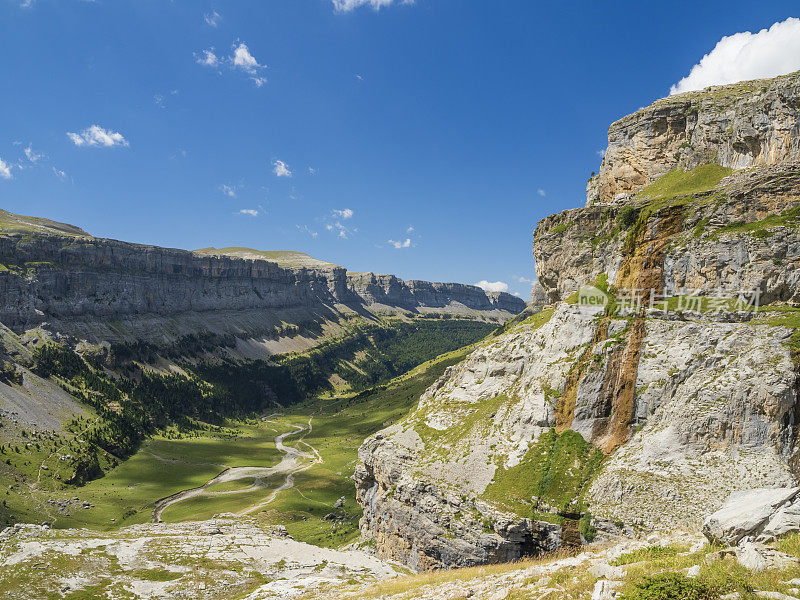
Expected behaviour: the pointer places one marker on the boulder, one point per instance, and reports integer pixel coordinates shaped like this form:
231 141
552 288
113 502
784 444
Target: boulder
757 557
759 514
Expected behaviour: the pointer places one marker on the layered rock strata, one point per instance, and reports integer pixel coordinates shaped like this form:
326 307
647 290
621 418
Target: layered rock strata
50 276
742 125
652 354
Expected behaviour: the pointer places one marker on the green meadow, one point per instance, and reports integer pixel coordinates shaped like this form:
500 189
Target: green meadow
179 460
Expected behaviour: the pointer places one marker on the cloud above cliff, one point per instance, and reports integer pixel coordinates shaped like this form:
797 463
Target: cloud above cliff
348 5
743 56
345 213
492 286
399 244
251 212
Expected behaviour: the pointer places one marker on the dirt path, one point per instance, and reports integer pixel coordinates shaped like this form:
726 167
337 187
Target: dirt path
294 460
289 481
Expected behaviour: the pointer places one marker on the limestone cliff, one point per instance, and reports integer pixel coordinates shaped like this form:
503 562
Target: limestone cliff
61 275
740 233
738 126
652 386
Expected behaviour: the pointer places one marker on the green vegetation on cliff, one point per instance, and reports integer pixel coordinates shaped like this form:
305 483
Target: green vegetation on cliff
549 478
683 183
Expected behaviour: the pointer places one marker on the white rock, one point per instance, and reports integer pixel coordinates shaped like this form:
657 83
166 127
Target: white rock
697 546
745 514
605 589
757 557
773 595
606 570
693 571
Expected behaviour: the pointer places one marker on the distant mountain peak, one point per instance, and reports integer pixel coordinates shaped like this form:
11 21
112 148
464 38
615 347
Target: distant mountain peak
284 258
9 222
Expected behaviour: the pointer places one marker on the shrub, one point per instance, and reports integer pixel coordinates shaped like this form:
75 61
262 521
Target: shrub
627 217
649 553
586 528
672 586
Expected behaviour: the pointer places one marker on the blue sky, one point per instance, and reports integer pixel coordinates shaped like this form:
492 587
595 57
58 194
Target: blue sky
424 139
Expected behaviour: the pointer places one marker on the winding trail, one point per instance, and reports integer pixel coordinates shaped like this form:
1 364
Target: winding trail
294 461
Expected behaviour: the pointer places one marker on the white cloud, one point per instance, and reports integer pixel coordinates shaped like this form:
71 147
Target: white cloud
97 136
492 286
522 279
26 3
60 174
406 243
541 192
742 56
249 212
306 229
31 155
342 231
243 60
312 171
213 18
410 229
348 5
345 213
207 58
5 170
359 77
228 190
281 169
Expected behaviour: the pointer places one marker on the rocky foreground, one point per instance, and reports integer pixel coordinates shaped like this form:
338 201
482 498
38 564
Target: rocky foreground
745 553
221 558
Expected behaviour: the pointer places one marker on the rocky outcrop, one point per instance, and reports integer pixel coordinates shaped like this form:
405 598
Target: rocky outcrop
760 515
48 276
738 126
650 389
224 557
697 429
424 525
740 235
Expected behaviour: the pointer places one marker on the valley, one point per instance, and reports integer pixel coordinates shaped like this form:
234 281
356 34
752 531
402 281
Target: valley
262 424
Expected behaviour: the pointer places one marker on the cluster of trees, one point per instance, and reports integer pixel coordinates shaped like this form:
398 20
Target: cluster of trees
393 351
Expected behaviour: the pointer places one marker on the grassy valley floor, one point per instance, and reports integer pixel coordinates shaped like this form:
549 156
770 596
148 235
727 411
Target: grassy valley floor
177 460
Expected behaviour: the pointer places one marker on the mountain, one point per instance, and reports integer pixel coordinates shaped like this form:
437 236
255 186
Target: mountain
661 376
81 285
104 343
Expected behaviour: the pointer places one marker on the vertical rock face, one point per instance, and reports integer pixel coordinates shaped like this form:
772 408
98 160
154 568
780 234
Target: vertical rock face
738 126
740 234
647 398
423 482
63 275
